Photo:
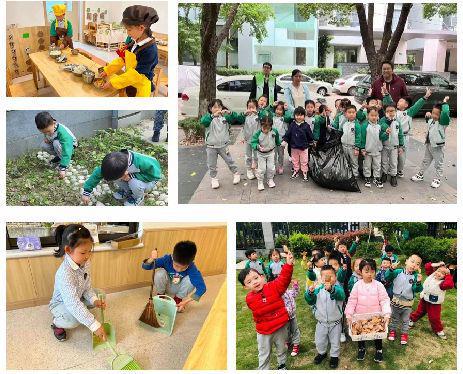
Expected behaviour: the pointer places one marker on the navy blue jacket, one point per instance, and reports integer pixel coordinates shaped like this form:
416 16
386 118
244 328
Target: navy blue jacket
147 59
298 136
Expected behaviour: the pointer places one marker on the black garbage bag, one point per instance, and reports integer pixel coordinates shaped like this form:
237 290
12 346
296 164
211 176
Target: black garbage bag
329 167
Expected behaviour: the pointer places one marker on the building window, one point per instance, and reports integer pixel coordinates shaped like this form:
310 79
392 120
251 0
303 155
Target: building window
291 35
300 56
297 15
263 57
345 55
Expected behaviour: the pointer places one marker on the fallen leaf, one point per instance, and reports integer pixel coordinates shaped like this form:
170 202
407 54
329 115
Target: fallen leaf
193 174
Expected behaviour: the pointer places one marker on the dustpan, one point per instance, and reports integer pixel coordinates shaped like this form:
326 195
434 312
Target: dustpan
98 344
166 311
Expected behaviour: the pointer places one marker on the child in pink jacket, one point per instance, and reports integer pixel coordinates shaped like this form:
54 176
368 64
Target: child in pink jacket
368 296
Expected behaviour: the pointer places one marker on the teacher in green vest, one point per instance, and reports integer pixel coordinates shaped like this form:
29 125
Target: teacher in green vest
263 83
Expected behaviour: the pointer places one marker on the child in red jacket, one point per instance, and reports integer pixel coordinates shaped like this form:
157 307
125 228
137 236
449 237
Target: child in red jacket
438 281
269 312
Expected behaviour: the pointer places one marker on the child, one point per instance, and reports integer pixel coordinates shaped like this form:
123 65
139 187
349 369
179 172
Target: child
294 334
405 283
251 126
340 117
321 125
386 264
58 141
177 274
217 123
356 274
275 264
314 267
388 252
432 297
132 173
262 103
368 296
350 129
326 300
269 312
437 121
340 247
335 261
139 58
405 114
299 137
369 141
264 141
61 28
392 146
254 262
280 123
310 113
73 292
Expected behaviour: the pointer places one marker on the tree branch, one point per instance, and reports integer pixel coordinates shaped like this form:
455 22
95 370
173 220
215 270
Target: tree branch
368 43
387 28
371 15
398 31
226 28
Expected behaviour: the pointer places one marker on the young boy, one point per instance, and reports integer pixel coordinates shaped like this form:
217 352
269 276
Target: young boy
437 121
177 274
264 141
326 300
280 122
321 125
356 274
432 297
269 312
133 173
58 140
340 116
405 284
254 262
386 264
350 129
251 125
388 252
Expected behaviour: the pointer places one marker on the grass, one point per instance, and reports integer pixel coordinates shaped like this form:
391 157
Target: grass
424 350
30 182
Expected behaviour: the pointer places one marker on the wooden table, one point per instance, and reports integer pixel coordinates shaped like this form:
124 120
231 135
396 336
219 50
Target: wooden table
163 53
63 82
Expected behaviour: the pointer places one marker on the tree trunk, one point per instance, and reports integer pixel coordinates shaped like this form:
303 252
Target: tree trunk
226 53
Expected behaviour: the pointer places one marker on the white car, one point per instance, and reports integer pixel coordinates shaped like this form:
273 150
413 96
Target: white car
322 88
347 85
234 92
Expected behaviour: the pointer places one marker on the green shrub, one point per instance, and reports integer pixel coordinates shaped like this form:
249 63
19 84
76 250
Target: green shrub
431 249
416 229
450 233
281 240
327 240
369 250
193 130
299 243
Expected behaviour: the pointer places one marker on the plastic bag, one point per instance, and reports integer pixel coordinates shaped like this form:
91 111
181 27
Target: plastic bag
329 167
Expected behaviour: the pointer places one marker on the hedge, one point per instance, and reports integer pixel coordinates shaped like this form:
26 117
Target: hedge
327 240
281 240
299 243
193 130
432 249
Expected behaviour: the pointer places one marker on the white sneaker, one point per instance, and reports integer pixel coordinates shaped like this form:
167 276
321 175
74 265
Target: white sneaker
343 337
441 334
236 178
250 174
271 183
410 323
417 177
435 183
215 183
260 185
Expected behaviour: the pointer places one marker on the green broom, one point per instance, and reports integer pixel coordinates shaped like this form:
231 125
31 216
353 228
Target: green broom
123 361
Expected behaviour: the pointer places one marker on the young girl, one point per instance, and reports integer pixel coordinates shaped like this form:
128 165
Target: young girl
265 141
310 113
368 296
139 57
73 292
217 124
294 334
356 274
280 123
251 126
275 264
314 267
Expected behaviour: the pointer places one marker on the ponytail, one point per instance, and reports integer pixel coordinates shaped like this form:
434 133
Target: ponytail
70 235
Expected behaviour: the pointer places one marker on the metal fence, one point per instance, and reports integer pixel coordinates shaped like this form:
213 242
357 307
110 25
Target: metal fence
317 228
249 235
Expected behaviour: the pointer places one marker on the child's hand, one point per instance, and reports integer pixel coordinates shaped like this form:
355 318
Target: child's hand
261 149
284 144
427 115
311 288
304 255
328 286
309 264
386 321
289 258
285 106
419 278
296 282
401 150
388 130
394 265
61 174
427 93
100 304
225 112
243 141
384 90
344 267
154 254
46 140
126 178
356 152
103 74
85 199
357 239
370 91
446 99
364 153
106 86
364 104
101 334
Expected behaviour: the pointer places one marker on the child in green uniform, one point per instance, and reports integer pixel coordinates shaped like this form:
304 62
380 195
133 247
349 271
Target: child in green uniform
254 262
349 129
280 122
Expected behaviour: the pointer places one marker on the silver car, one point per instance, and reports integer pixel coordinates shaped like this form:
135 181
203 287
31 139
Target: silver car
322 88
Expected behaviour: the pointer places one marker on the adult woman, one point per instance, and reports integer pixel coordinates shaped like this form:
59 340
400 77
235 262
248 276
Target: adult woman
296 93
61 28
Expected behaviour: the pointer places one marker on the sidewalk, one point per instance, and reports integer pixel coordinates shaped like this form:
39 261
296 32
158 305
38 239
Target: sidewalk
407 192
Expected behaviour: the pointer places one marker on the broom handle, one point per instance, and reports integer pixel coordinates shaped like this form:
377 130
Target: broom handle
100 297
152 283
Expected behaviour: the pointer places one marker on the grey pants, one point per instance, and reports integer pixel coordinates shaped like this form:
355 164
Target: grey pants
265 343
265 164
389 160
63 318
372 162
436 154
279 155
53 148
135 187
250 155
294 334
328 333
354 161
400 316
403 155
164 285
212 156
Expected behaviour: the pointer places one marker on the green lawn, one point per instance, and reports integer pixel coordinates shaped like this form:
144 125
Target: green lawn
424 350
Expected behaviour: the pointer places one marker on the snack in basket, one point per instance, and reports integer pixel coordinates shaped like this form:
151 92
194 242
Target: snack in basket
368 326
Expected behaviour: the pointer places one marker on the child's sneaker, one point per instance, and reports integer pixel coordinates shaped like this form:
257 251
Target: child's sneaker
304 177
417 177
441 334
319 358
271 183
379 356
378 183
334 362
295 174
59 333
393 181
384 178
391 335
400 174
404 339
295 350
236 178
411 323
131 201
343 337
121 195
361 354
260 185
367 182
250 174
215 183
435 183
281 367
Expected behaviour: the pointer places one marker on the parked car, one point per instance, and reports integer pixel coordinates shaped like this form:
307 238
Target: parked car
322 88
417 82
234 92
347 85
188 76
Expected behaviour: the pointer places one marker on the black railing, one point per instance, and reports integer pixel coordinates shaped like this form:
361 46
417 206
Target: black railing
249 235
